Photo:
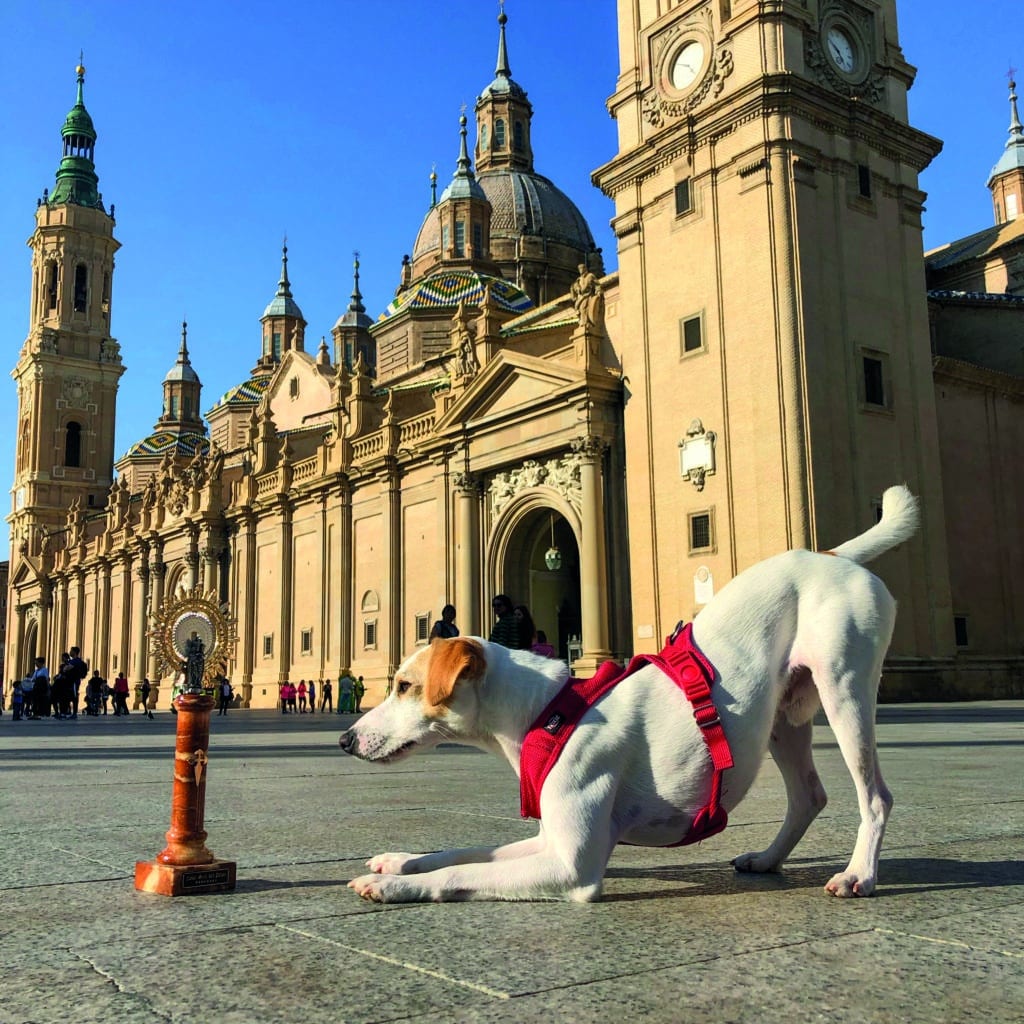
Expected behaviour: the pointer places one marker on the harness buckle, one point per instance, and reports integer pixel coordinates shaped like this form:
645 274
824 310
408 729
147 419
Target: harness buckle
675 633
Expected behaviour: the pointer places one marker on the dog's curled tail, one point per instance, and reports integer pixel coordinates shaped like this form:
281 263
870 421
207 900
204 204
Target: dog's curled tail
900 519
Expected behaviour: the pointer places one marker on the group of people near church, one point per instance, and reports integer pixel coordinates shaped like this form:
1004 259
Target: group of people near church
514 627
39 695
302 698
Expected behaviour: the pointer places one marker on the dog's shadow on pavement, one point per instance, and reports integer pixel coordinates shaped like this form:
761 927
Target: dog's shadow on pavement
897 877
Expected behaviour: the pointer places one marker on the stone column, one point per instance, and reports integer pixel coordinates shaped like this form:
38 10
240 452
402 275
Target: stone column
247 602
103 619
467 546
392 610
211 556
16 667
46 643
287 592
80 611
158 576
346 582
140 619
593 564
192 562
61 642
125 627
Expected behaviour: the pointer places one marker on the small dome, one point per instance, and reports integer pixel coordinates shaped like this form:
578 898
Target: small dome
164 441
182 371
450 287
283 305
78 122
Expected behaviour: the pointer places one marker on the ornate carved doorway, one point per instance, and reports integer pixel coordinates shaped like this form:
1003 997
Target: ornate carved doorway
538 564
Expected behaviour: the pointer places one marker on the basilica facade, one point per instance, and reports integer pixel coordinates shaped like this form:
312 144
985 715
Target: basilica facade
609 449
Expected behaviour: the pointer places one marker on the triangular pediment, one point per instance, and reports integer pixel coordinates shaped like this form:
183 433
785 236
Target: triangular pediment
298 392
511 384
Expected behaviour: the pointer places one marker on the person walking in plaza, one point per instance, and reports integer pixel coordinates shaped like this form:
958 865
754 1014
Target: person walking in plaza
40 689
312 696
302 696
345 684
121 691
358 689
78 670
445 627
327 695
17 700
146 689
506 630
224 695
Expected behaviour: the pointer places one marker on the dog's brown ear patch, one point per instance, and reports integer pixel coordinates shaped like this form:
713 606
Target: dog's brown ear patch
451 661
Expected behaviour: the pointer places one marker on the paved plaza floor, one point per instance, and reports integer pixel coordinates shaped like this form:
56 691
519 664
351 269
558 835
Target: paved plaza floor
679 936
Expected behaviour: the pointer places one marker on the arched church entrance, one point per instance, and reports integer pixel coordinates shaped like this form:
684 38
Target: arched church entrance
28 650
537 563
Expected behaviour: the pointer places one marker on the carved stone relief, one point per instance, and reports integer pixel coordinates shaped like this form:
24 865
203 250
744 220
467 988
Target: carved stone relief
561 474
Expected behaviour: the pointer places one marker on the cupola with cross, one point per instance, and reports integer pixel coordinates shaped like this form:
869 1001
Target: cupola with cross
182 389
351 333
284 327
1006 182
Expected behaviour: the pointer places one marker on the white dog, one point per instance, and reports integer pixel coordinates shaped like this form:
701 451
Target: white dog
795 632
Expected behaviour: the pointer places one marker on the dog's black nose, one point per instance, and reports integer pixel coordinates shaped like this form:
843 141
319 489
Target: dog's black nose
347 741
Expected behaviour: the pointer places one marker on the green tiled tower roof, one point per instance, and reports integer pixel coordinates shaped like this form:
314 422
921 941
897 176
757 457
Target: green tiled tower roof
77 181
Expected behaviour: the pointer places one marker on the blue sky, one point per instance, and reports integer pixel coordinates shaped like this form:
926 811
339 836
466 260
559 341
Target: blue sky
223 126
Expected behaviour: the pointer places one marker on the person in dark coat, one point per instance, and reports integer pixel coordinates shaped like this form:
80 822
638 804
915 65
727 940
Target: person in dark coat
506 630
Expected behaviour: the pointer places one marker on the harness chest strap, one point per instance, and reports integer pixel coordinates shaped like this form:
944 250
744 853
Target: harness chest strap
687 667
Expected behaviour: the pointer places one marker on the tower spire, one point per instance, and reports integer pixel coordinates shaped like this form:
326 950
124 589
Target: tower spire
502 70
76 176
463 168
1006 182
356 303
284 287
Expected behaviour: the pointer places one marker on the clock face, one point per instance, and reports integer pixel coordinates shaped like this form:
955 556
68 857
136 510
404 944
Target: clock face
841 50
687 65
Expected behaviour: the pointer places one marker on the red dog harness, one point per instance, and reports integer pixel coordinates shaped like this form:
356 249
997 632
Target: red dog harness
687 667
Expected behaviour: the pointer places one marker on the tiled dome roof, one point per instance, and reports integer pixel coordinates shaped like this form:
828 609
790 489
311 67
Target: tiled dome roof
158 444
247 393
450 287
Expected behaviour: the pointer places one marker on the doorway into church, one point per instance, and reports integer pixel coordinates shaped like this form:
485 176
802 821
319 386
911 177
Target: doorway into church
542 571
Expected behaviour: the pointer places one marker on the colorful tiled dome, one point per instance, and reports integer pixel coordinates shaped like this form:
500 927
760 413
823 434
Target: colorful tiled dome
450 287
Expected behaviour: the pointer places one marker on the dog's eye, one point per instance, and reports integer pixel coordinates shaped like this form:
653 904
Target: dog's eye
404 685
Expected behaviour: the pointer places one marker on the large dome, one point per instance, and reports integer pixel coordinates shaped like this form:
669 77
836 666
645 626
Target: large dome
522 203
527 203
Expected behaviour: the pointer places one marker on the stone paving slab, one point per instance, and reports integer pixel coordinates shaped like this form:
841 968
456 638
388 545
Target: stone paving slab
678 937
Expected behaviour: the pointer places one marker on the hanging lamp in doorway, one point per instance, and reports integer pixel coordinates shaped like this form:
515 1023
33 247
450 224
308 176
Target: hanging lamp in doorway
553 557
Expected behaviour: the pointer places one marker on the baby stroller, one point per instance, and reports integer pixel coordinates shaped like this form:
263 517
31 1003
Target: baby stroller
93 700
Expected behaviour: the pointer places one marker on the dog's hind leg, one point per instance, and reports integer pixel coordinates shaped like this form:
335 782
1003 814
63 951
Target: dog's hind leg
420 863
791 749
850 707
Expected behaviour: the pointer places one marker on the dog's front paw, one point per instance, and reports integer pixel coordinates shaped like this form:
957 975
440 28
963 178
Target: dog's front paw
393 863
385 889
368 887
849 883
754 863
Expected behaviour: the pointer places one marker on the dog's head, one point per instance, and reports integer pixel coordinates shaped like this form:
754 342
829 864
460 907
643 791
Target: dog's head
434 698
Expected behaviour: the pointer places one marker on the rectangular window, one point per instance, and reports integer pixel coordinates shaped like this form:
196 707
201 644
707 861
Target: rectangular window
700 531
864 180
691 336
478 240
293 387
445 236
306 641
370 634
460 238
275 345
684 203
874 382
1011 206
423 628
268 645
960 630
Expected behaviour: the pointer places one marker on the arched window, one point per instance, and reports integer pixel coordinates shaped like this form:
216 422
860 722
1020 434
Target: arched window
51 285
73 444
81 287
483 137
370 602
174 406
499 134
518 135
275 346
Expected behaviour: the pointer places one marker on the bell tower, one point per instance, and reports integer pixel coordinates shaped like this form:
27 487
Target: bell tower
773 303
69 366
